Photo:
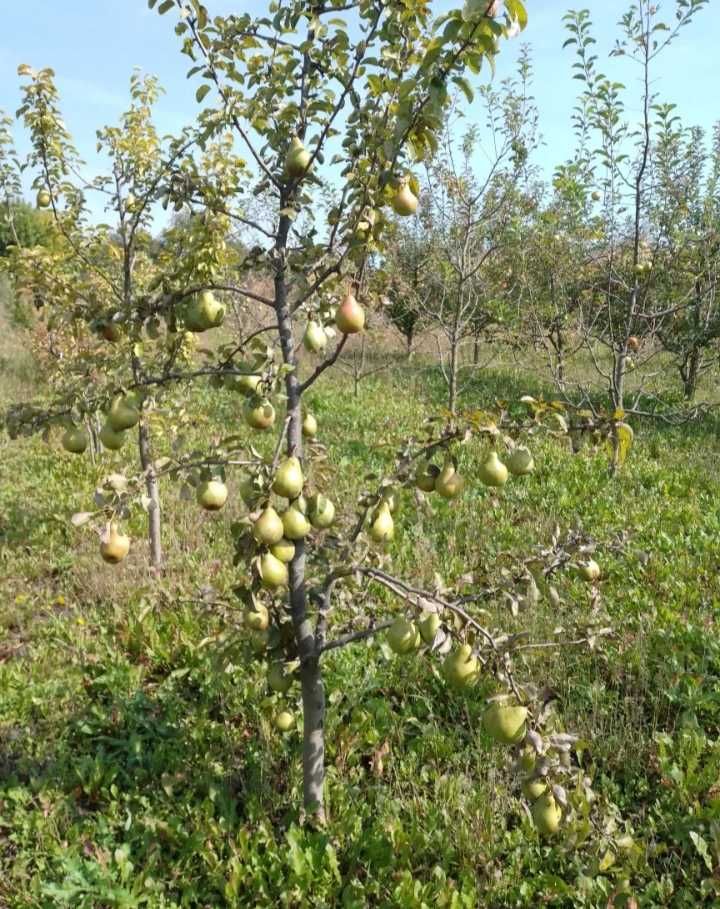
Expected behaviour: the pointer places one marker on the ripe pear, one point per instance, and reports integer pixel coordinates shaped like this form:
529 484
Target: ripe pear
403 636
309 426
212 495
297 159
75 440
114 546
268 528
429 625
259 414
315 338
461 668
204 313
278 679
110 439
404 201
43 198
273 572
248 383
506 723
426 476
532 789
257 618
321 511
350 316
289 479
123 414
589 571
284 721
449 484
284 550
493 472
295 525
633 343
382 528
520 462
546 814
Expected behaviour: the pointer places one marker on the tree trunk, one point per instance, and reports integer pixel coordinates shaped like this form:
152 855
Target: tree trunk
152 488
453 378
409 337
690 373
617 388
313 692
476 350
558 342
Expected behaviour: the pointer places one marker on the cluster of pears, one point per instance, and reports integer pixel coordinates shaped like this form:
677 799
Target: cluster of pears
204 312
544 809
123 414
448 483
404 636
277 533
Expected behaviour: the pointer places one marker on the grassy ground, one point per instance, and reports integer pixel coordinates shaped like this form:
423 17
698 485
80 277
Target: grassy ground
138 761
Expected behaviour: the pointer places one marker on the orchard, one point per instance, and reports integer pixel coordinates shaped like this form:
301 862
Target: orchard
464 573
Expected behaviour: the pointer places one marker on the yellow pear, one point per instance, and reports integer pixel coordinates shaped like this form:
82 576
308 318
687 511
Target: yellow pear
425 477
506 723
273 572
546 814
350 316
321 511
212 495
268 528
492 472
449 484
461 668
403 636
532 789
382 528
285 721
204 312
315 338
110 439
75 440
284 550
123 414
289 478
278 679
520 462
589 571
258 617
295 525
259 414
114 545
429 625
43 199
404 202
297 159
309 426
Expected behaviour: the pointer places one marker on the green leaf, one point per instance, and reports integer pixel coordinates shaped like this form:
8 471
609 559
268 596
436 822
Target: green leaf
465 87
201 93
166 6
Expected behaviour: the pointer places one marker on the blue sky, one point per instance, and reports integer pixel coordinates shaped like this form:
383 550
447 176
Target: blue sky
93 46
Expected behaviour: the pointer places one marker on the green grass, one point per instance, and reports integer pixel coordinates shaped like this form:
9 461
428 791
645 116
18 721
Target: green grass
138 761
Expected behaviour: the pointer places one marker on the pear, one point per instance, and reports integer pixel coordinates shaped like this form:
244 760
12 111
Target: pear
315 338
123 414
297 159
289 479
321 511
492 472
278 679
403 636
259 414
309 426
284 550
43 199
110 439
506 723
114 546
212 495
257 618
546 814
404 202
247 384
273 572
589 571
461 668
249 492
425 477
268 528
75 440
449 484
532 789
259 640
520 463
429 625
382 528
295 525
350 316
633 343
284 721
204 313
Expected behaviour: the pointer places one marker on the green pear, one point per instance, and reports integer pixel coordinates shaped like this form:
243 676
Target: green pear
589 571
295 525
404 202
289 479
546 814
268 528
273 572
278 679
309 426
382 528
123 414
492 472
532 789
403 636
259 414
426 476
315 338
285 721
449 484
321 511
110 439
284 550
212 495
258 617
506 723
461 668
75 440
204 312
429 625
43 198
297 159
520 462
